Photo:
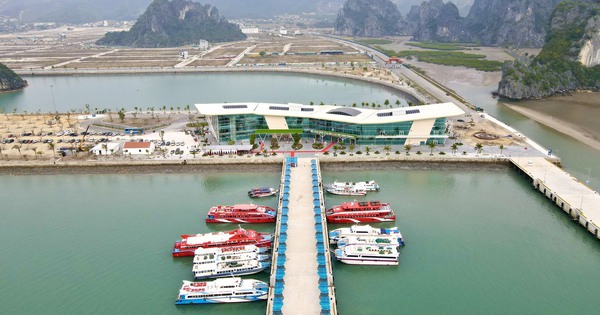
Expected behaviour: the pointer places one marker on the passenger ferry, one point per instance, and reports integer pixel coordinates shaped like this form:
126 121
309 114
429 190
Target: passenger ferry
241 213
360 211
230 254
216 269
384 255
366 185
364 230
190 242
262 192
226 290
368 240
346 191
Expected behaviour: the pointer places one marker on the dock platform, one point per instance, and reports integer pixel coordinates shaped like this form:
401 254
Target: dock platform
301 279
574 197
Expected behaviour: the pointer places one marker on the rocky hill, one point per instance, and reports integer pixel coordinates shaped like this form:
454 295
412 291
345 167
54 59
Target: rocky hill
569 60
9 80
175 23
370 18
436 21
521 23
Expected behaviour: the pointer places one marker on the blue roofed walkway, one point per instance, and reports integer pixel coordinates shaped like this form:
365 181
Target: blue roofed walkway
301 280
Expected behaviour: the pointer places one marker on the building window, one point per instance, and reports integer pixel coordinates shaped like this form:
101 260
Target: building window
234 106
278 108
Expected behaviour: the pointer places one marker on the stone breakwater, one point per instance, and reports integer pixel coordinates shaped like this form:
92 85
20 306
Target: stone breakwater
240 164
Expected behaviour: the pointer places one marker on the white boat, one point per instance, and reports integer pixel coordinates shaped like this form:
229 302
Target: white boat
375 240
217 269
367 185
384 255
230 254
226 290
346 191
362 230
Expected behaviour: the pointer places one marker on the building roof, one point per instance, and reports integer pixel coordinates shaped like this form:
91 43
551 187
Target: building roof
345 114
245 147
109 146
137 145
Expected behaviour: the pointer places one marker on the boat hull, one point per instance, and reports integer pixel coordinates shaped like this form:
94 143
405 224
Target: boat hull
368 262
360 219
190 252
346 193
240 220
232 273
228 299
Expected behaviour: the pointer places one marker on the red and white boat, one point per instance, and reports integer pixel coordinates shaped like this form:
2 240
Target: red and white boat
190 242
360 211
242 213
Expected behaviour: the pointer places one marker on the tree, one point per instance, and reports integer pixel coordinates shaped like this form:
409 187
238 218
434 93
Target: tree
398 103
454 147
162 135
431 146
51 146
105 147
501 147
407 148
479 148
351 148
387 149
367 149
386 103
122 115
1 148
262 53
18 147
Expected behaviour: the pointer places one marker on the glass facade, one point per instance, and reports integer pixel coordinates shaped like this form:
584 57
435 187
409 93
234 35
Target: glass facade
240 127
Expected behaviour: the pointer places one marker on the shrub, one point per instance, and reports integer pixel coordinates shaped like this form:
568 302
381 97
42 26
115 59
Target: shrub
326 153
318 145
343 152
358 152
442 153
397 152
376 152
419 152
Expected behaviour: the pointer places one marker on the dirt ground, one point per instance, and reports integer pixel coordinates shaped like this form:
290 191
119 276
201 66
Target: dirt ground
466 130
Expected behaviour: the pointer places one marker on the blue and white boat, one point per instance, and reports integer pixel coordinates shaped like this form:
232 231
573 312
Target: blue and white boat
368 240
364 230
226 290
217 269
382 255
262 192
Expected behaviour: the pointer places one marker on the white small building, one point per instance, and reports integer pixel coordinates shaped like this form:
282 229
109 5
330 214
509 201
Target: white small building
108 148
203 44
249 29
183 54
283 31
138 148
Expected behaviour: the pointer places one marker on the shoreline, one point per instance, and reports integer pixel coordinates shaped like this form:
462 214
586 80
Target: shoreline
241 165
408 91
557 124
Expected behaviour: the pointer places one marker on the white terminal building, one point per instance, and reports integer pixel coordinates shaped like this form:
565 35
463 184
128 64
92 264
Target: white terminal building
416 125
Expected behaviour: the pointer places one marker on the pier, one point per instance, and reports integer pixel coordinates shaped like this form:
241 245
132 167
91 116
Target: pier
301 280
574 197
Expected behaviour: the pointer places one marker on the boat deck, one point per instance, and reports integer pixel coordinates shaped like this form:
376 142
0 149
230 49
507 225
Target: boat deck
574 197
301 278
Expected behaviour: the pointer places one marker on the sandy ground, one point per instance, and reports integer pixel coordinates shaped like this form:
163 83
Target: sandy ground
559 125
446 74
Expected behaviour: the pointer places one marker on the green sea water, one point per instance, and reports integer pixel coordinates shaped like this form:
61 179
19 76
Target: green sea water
479 241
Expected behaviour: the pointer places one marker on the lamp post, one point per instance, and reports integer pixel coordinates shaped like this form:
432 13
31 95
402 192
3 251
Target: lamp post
53 101
587 181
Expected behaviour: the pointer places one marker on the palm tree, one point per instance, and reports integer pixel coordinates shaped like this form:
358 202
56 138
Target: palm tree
51 147
367 149
105 147
386 103
431 146
454 147
398 103
351 148
1 148
501 147
18 147
407 148
479 148
34 152
387 149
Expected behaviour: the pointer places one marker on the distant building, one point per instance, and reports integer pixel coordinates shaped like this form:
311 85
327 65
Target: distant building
331 52
109 148
183 54
138 148
283 31
394 60
249 29
203 44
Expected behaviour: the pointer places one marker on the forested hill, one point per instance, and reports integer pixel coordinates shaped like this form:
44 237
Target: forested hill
9 80
175 23
569 60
